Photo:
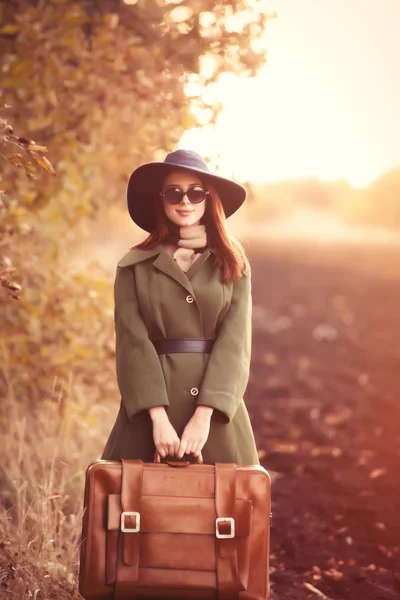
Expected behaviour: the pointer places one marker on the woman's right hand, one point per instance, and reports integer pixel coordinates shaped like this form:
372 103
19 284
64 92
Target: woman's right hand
165 438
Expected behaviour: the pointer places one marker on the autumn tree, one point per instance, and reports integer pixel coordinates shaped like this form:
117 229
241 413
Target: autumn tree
105 84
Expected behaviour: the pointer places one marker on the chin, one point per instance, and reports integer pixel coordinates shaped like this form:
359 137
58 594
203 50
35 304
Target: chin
182 221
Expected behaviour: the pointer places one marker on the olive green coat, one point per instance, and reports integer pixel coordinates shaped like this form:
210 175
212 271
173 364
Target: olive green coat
154 299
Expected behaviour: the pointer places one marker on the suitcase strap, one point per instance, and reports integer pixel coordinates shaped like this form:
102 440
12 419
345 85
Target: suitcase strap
225 501
131 492
226 555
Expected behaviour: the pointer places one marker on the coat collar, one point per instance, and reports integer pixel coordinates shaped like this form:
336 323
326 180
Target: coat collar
137 255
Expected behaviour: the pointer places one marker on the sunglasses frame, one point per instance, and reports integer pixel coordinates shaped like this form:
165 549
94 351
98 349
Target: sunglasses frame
206 193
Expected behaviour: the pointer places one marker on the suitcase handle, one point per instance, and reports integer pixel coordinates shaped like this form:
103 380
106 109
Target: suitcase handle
177 463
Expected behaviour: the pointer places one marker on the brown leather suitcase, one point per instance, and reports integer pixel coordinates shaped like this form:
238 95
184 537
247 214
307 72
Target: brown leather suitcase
154 531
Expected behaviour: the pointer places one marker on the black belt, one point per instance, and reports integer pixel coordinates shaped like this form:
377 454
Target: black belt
170 346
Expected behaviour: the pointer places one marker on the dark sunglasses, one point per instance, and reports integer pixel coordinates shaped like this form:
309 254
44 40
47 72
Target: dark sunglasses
173 194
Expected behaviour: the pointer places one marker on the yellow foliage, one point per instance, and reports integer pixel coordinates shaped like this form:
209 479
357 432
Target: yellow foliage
44 163
9 29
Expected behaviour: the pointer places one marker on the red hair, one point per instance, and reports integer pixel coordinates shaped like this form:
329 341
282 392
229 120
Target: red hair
229 253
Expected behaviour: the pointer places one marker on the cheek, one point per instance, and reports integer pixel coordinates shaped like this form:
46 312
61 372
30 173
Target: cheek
201 209
167 208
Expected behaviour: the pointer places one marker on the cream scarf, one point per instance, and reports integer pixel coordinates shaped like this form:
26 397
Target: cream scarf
183 242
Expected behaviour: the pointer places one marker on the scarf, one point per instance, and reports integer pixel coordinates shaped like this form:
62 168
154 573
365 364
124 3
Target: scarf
188 239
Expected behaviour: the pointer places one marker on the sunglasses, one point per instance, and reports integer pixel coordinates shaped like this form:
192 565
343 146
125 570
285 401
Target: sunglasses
174 195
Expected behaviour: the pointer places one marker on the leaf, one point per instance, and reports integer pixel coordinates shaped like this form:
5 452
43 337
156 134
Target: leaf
9 29
284 448
24 141
16 159
385 550
13 286
338 418
270 359
30 169
326 450
37 148
316 591
43 162
334 574
5 270
268 416
111 20
377 473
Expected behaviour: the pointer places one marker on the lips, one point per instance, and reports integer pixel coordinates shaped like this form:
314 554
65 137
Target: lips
184 213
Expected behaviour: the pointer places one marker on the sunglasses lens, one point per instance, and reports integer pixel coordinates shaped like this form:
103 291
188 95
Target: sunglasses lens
196 195
173 196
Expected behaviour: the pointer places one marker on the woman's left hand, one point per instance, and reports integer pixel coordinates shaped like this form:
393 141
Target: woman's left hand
196 432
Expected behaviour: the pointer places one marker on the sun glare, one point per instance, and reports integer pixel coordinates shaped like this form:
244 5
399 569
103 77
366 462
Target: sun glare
306 113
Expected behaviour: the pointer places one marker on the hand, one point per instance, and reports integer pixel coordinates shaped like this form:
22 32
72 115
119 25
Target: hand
196 432
165 437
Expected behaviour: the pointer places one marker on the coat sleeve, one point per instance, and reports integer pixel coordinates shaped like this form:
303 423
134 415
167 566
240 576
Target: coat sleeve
227 373
139 374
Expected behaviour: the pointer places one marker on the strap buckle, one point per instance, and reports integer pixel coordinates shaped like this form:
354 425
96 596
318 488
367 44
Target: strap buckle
225 520
127 513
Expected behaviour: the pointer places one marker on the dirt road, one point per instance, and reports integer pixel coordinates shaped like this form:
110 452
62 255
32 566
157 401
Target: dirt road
324 402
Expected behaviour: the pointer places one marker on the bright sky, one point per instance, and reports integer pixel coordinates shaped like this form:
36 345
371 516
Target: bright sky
327 104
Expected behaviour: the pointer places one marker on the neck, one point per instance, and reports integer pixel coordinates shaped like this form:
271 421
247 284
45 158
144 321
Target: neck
174 233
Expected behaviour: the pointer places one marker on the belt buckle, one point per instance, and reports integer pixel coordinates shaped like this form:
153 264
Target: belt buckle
225 536
128 513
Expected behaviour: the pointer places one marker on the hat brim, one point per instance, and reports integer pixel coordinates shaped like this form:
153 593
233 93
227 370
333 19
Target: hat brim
146 181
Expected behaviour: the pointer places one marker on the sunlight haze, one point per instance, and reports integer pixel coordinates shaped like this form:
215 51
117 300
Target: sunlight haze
325 105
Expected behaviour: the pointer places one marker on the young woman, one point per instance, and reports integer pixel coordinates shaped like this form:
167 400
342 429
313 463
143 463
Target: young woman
183 320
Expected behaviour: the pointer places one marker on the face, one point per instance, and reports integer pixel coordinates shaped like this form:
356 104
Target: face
184 213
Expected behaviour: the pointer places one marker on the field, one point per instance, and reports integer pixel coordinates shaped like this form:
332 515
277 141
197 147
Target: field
324 402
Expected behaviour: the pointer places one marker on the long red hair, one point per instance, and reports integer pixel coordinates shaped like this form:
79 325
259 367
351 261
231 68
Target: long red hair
229 253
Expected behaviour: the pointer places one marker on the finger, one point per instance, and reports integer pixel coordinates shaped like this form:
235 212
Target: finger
161 451
200 447
197 450
182 448
171 449
191 447
176 446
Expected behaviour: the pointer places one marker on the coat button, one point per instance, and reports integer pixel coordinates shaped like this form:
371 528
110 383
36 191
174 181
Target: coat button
189 299
194 391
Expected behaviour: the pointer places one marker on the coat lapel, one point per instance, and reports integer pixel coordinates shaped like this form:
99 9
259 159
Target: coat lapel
165 263
136 255
197 263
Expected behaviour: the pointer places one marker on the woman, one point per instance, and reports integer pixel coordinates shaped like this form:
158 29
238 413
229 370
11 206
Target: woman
183 320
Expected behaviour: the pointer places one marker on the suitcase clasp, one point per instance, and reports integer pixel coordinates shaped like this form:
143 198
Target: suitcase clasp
224 536
135 529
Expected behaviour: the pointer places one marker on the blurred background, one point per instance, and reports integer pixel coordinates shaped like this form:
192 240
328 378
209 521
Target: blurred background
299 101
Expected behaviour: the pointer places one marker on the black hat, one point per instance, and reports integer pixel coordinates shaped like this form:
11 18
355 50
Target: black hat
145 184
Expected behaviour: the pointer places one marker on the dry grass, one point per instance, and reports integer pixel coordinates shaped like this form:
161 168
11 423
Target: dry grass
58 401
45 456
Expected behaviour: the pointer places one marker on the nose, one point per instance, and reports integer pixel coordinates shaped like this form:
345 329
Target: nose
185 199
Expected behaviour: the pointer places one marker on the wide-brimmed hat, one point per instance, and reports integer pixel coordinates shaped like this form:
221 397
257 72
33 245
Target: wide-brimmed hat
146 181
